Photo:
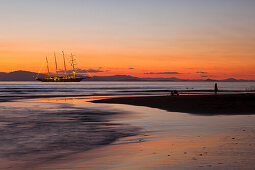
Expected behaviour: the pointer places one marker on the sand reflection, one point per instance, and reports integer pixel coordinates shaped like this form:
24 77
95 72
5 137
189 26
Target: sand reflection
173 140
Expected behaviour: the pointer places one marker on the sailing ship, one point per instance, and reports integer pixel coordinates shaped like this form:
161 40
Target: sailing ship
65 78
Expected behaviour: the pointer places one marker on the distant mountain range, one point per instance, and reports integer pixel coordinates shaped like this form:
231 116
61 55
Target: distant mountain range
30 76
18 76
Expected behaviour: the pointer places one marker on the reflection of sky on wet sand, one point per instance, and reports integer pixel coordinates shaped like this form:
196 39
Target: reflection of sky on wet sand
175 140
181 140
37 132
166 140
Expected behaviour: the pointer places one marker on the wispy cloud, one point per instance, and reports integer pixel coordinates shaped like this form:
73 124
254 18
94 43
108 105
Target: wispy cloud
89 70
162 73
208 76
83 71
201 72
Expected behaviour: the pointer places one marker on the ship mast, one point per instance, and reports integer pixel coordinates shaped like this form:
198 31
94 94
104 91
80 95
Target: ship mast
72 64
64 63
56 63
48 66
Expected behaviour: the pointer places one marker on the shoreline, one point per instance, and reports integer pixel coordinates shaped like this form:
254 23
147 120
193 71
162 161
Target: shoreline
175 141
102 136
222 104
194 103
8 98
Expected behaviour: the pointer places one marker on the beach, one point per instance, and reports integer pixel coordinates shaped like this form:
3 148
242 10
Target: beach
69 128
172 140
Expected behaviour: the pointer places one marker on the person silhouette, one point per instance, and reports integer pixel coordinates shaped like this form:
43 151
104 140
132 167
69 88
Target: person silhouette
216 88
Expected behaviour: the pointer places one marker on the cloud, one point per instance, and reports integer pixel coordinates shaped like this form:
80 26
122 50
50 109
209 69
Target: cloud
83 71
89 71
131 68
162 73
201 72
208 76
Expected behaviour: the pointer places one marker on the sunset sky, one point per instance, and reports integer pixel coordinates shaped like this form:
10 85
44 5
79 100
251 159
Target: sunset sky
145 38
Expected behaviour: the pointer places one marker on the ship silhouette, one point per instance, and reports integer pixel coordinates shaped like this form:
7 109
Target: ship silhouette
65 78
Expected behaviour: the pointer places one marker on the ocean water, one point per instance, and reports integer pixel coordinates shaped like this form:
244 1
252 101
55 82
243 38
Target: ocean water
115 88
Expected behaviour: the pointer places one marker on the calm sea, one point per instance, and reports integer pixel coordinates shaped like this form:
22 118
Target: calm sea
113 88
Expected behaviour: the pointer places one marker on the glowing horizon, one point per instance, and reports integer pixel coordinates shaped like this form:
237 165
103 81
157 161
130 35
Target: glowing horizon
195 39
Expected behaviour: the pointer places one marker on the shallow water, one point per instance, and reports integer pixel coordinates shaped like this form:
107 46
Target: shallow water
36 132
177 141
71 133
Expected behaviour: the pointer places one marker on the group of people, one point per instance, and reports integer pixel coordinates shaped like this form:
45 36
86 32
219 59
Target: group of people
176 93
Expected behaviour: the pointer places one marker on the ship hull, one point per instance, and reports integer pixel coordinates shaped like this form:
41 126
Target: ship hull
60 79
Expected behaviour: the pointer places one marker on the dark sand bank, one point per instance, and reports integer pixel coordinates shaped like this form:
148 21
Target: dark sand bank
227 104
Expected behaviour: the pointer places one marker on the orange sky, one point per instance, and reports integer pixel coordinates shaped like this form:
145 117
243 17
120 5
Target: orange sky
218 61
215 42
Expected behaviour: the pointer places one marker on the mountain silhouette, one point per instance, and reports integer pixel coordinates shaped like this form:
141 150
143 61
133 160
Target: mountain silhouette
30 76
18 76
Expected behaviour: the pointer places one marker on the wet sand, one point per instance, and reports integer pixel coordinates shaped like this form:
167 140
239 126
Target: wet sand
225 104
170 140
72 133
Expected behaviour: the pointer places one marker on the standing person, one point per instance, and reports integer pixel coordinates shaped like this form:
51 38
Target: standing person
216 88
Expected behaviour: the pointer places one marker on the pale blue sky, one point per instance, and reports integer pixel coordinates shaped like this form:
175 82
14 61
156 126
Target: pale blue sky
138 18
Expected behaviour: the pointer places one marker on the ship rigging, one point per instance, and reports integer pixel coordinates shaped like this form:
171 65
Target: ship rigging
66 77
